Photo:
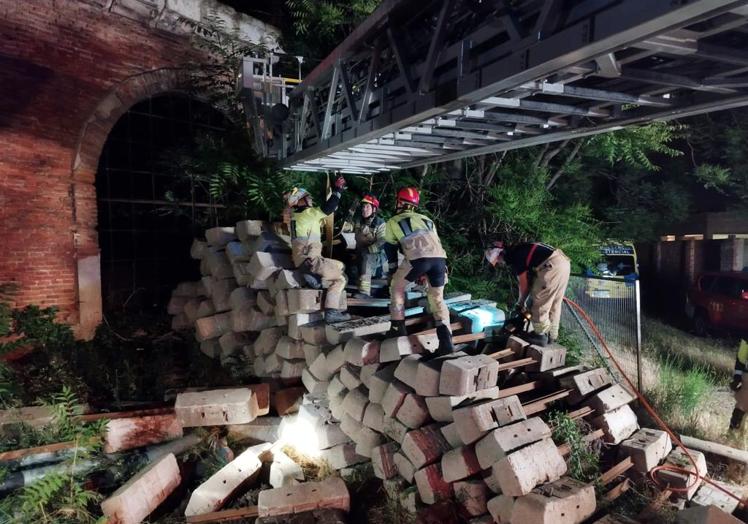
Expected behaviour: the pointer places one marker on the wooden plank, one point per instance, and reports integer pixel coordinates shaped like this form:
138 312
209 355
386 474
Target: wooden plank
618 490
517 363
617 470
580 413
125 414
541 404
225 515
501 354
522 388
715 449
453 326
49 448
469 337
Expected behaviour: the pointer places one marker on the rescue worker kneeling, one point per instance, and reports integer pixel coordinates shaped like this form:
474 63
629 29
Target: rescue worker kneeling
416 237
306 247
369 231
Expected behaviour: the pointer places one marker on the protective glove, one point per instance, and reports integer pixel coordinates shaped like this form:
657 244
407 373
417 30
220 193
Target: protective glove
737 383
340 183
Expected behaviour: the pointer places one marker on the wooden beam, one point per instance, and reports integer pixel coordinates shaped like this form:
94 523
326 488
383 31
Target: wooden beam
225 515
516 363
616 471
541 404
501 354
516 390
713 448
125 414
618 490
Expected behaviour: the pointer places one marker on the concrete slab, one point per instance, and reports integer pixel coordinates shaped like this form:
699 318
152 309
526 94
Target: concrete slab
330 493
565 501
425 445
431 484
460 463
466 375
135 432
520 472
647 448
216 407
501 441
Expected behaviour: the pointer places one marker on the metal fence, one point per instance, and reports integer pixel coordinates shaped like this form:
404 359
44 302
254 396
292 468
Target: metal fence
615 308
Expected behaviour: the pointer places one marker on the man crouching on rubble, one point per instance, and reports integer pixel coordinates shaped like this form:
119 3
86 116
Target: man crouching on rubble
543 274
306 246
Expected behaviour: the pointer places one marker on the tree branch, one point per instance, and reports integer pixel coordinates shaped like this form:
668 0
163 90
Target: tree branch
552 153
577 146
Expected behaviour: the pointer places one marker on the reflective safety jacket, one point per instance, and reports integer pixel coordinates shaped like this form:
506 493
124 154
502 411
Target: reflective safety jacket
369 233
306 229
415 234
741 362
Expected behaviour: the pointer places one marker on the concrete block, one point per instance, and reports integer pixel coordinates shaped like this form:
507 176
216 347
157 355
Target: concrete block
134 432
284 471
237 252
413 412
383 460
518 473
451 435
242 297
586 383
475 420
360 352
501 441
213 326
705 515
143 493
406 370
427 377
315 409
181 322
549 357
342 456
355 403
609 399
267 341
218 266
216 408
313 333
360 327
287 279
679 459
425 445
374 417
211 347
647 448
472 495
281 304
288 400
176 305
212 494
441 407
380 381
219 236
350 425
265 303
565 501
367 371
319 368
349 376
431 484
404 467
262 265
304 301
517 345
490 481
289 348
330 493
394 397
366 440
708 495
272 364
466 375
618 424
335 387
250 319
393 349
459 463
500 508
335 359
197 249
336 404
292 369
259 367
268 242
394 429
247 229
311 352
394 486
231 342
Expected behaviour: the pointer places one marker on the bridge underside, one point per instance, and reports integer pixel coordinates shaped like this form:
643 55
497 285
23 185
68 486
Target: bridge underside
424 81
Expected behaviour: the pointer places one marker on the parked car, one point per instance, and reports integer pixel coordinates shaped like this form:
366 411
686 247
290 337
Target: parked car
719 301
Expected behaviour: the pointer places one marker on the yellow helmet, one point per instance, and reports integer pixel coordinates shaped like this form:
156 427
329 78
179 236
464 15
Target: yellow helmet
296 195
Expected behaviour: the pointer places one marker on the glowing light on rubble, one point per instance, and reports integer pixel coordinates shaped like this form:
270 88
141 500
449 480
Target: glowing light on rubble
301 435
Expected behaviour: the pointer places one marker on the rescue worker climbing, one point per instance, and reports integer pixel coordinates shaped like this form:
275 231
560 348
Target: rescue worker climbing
543 274
416 236
368 229
739 385
306 247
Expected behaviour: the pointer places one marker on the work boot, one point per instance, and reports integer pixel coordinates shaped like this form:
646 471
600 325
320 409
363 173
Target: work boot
312 280
537 339
397 329
364 287
333 316
445 340
737 419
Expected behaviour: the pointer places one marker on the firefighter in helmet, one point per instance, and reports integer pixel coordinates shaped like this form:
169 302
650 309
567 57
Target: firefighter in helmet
368 228
306 247
415 235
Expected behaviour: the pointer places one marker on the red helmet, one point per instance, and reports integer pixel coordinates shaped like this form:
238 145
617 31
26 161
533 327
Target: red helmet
409 195
370 199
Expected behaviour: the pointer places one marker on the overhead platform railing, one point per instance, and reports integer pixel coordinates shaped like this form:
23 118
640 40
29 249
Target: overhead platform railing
425 81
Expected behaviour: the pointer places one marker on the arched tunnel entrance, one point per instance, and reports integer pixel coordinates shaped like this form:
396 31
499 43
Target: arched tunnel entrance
149 204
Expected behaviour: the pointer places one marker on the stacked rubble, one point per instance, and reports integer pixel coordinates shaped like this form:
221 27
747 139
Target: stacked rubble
467 428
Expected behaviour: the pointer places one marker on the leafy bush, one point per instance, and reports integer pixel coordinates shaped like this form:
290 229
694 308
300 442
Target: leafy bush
584 462
680 392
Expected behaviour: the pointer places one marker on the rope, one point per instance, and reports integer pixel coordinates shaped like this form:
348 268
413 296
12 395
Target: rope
673 436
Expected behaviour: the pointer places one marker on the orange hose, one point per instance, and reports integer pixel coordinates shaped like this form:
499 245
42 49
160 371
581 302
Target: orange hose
658 420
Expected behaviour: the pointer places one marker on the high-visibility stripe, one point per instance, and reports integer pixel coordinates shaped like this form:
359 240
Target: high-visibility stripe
406 226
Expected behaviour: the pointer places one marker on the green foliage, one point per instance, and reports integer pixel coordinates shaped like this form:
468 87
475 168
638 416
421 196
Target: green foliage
37 326
681 389
633 145
584 462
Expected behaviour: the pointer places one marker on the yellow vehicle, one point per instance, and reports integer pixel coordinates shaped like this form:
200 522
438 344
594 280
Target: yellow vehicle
616 273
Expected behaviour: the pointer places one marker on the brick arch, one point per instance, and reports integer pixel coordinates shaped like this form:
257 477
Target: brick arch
94 133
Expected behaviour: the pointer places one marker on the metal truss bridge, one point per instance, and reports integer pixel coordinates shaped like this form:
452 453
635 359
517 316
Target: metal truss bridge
425 81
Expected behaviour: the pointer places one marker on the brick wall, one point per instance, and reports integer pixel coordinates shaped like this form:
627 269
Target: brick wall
68 70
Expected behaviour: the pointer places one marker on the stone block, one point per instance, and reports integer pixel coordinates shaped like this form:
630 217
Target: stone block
330 435
441 407
360 352
313 333
367 371
319 368
237 252
413 412
517 345
335 359
394 397
355 403
304 301
500 508
342 456
289 348
292 369
211 348
350 376
647 448
618 424
219 236
213 326
705 515
406 370
143 493
383 460
404 467
394 429
311 352
212 494
374 417
262 265
451 435
472 495
217 407
679 459
251 319
427 377
287 279
218 266
134 432
548 357
565 501
501 441
466 375
459 463
247 229
335 387
284 471
609 399
431 484
350 425
231 342
281 304
336 404
586 383
267 341
425 445
393 349
360 327
518 473
272 364
475 420
380 381
265 303
242 297
366 440
330 493
197 249
176 305
708 495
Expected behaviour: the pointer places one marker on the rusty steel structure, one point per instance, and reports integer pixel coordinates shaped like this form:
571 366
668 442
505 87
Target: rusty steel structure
425 81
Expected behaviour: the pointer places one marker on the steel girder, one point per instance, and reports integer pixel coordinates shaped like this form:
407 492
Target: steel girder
435 80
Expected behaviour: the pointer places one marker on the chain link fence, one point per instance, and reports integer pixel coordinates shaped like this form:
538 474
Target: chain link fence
614 305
